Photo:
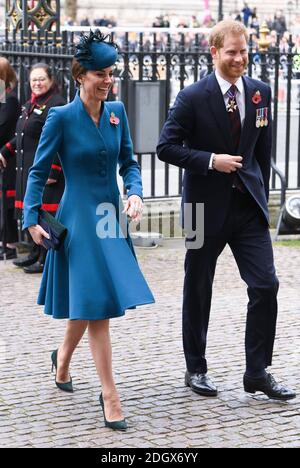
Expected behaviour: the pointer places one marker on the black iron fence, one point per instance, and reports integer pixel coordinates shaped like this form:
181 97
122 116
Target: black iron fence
175 60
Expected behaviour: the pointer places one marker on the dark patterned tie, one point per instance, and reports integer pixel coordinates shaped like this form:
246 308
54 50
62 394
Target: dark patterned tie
234 117
236 129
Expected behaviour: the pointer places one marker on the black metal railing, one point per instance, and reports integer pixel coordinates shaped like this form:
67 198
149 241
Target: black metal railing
179 59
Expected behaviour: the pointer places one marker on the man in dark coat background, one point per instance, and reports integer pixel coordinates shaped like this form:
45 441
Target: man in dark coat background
219 131
10 110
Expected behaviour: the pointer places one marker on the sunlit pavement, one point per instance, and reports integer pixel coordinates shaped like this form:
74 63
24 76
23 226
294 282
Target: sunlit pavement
149 366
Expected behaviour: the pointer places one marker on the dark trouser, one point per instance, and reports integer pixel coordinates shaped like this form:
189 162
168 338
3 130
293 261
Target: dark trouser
246 231
11 227
37 251
34 249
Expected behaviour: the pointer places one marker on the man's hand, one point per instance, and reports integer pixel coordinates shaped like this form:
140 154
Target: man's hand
227 163
3 162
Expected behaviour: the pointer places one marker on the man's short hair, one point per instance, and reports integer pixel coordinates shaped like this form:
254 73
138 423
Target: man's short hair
224 28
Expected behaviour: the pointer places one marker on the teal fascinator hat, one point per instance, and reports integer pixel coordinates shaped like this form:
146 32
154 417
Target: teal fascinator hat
96 51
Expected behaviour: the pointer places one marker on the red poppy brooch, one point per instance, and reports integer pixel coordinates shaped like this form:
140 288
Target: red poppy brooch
113 119
256 99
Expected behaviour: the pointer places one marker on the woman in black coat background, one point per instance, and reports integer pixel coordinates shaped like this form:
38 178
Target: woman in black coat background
44 95
10 110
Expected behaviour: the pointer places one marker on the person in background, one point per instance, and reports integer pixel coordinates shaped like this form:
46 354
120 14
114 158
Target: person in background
254 22
85 22
10 110
247 12
22 148
279 23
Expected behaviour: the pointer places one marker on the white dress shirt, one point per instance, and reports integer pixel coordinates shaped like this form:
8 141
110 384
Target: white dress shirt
240 99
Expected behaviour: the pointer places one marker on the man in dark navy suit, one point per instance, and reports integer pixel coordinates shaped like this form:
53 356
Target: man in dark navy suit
219 131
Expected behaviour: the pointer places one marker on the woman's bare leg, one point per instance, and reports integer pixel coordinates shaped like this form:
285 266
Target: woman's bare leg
100 345
73 334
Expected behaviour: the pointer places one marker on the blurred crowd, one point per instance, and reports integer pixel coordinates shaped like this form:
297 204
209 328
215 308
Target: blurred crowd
249 16
277 25
106 21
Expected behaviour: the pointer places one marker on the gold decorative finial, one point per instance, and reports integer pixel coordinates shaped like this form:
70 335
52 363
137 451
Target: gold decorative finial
264 41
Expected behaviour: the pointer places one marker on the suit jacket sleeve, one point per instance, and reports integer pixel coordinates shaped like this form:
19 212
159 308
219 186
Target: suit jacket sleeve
263 149
129 168
49 145
178 129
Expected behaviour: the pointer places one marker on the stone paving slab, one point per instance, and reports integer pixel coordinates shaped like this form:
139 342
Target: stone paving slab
149 367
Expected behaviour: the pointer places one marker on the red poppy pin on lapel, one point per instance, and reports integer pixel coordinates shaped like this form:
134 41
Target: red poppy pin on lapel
113 119
256 99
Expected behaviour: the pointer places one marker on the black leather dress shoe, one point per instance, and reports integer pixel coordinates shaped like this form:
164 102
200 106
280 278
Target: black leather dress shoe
269 387
201 384
25 262
10 254
37 267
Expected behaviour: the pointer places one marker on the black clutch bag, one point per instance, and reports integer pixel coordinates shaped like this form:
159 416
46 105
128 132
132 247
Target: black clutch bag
54 228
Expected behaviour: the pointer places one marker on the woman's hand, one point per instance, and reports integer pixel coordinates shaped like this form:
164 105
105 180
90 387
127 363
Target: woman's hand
38 233
51 181
134 208
3 162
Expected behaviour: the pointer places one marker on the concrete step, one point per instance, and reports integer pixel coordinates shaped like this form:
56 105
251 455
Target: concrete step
162 215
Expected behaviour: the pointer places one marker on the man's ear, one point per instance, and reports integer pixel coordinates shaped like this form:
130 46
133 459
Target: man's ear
213 51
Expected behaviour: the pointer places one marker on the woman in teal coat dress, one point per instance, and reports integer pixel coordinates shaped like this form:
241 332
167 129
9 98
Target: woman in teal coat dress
95 275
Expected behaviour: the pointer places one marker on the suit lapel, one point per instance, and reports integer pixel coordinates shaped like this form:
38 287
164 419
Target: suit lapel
217 106
250 113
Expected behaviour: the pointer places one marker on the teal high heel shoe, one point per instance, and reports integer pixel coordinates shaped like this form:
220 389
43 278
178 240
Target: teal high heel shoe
115 425
67 386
